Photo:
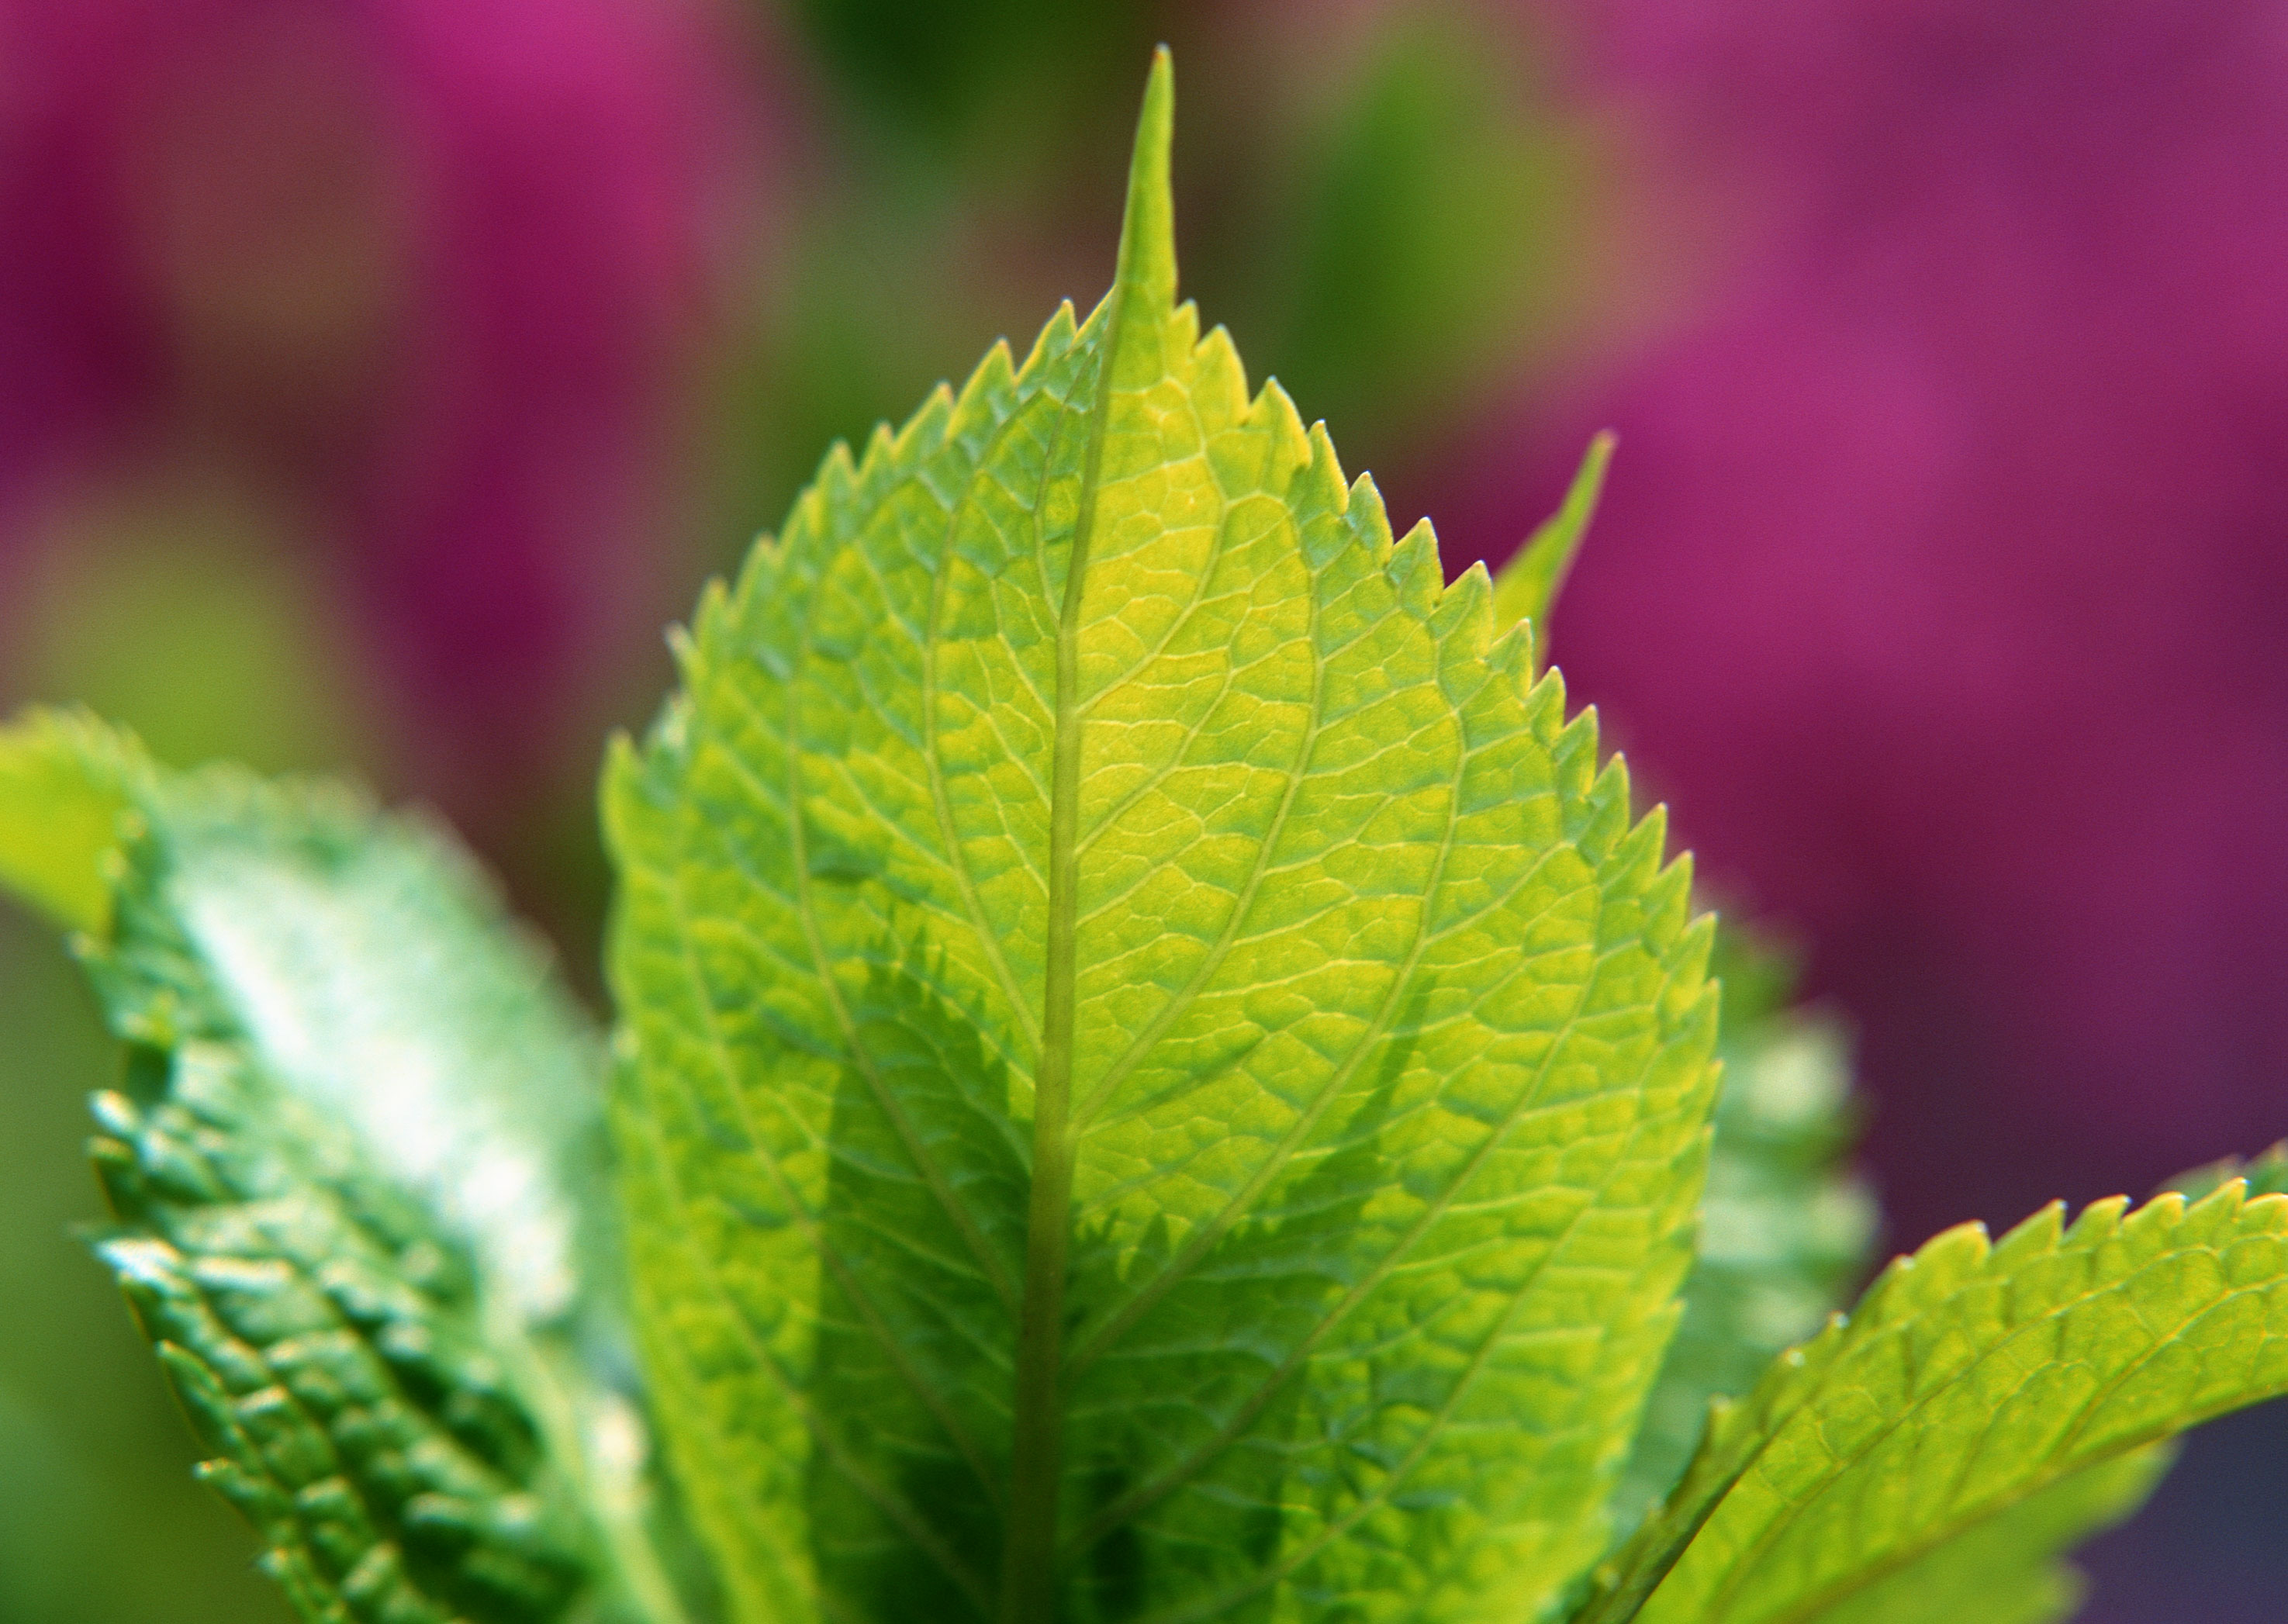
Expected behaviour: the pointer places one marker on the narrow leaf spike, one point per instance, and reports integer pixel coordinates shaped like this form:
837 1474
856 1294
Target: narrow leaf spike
1527 587
1145 285
1147 266
1161 1083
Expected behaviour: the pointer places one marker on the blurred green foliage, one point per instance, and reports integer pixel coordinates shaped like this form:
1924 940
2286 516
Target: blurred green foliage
1432 248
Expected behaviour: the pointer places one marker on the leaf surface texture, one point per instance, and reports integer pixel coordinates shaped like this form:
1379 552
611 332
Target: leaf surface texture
346 1162
1162 1081
1971 1378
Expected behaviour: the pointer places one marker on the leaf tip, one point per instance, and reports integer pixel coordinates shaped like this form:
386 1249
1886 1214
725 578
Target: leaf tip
1147 228
1527 585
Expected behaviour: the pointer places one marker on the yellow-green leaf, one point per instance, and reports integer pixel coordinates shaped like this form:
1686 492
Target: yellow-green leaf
1971 1378
1528 586
1162 1081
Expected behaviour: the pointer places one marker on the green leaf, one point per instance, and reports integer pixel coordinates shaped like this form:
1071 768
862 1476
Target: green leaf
329 1354
347 1166
1528 586
1784 1226
1162 1083
1970 1378
2004 1570
2267 1174
63 784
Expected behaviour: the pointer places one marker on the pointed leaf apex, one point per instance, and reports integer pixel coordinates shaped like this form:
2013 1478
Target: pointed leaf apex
1147 228
1527 585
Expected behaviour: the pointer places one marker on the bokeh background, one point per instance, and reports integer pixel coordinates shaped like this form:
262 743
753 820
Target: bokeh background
377 376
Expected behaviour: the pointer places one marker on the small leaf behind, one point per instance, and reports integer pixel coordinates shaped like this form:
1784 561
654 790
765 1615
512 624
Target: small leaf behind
63 786
1784 1226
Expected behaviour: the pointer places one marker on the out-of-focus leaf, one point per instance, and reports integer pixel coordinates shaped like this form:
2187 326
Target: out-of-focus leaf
1437 248
63 786
349 1165
2267 1174
1784 1226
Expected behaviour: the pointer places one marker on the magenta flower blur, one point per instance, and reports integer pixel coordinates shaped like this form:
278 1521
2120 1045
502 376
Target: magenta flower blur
429 267
1943 582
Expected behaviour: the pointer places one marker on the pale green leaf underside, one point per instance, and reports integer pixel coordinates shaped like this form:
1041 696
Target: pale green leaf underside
1087 752
347 1168
362 957
1972 1377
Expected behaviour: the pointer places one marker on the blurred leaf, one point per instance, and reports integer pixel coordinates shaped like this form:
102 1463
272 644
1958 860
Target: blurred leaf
1785 1227
1011 71
63 786
350 1165
2267 1174
1437 240
184 610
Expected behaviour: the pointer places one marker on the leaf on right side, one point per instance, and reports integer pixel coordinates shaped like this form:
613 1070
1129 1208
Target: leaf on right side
1973 1379
2267 1174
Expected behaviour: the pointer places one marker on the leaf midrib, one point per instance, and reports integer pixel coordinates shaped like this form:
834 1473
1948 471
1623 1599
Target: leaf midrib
1036 1467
